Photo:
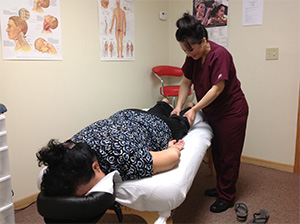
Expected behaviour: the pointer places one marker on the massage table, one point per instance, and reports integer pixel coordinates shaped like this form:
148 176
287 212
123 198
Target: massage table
162 192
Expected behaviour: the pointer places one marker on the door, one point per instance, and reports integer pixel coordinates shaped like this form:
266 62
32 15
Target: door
297 151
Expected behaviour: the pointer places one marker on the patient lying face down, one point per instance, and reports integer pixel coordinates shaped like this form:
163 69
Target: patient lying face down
136 143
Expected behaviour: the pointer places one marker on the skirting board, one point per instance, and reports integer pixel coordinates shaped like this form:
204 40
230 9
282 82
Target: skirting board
24 202
269 164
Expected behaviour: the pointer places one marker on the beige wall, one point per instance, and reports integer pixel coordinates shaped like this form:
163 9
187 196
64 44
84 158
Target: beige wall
54 99
271 87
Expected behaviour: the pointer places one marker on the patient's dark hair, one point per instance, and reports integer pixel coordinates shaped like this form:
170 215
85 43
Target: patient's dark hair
69 165
190 31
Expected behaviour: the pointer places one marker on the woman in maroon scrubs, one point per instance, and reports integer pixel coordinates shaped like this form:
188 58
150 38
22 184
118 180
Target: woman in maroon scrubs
210 68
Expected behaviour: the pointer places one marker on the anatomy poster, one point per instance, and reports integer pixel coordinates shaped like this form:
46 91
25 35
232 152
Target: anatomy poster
116 29
30 29
213 15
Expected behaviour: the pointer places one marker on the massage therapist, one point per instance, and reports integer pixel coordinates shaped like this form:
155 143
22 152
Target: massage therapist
210 68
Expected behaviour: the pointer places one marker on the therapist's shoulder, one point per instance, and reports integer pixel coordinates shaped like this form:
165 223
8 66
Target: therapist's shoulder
219 51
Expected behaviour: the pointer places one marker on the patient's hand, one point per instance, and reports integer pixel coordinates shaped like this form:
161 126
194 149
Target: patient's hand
179 144
167 159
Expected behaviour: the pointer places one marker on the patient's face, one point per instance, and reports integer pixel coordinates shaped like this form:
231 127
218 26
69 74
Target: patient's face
85 188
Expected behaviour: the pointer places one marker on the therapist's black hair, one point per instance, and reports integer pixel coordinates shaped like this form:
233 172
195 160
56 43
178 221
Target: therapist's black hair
190 30
69 165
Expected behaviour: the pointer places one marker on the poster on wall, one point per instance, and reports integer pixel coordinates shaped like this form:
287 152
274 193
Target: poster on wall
253 12
30 30
213 15
116 30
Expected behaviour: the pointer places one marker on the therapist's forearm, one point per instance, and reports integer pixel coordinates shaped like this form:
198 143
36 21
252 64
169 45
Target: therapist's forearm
182 97
210 96
183 92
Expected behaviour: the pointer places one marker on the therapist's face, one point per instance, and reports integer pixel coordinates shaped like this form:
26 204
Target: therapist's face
195 51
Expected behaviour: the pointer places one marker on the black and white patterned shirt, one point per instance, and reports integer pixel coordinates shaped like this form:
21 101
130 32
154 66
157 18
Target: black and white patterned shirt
123 141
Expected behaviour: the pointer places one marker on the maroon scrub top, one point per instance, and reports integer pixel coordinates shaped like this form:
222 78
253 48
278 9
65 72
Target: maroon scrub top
217 66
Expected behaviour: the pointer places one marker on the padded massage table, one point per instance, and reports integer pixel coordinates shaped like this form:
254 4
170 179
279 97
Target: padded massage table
162 192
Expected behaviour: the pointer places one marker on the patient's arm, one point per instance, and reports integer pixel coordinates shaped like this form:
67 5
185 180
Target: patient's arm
167 159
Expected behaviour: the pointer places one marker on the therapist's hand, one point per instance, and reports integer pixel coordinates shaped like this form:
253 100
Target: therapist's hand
176 111
190 115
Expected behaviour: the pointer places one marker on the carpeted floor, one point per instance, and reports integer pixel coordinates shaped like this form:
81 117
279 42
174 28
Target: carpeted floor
257 187
31 216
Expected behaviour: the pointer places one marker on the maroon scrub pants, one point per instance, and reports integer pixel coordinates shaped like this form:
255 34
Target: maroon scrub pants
227 146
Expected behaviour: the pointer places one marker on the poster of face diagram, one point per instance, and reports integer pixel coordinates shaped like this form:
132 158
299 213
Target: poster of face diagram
213 15
30 30
116 30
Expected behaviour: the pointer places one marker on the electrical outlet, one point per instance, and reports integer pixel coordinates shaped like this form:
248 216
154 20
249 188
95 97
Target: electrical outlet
272 53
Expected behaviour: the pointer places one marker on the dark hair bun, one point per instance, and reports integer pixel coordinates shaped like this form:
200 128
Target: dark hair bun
52 154
187 22
190 28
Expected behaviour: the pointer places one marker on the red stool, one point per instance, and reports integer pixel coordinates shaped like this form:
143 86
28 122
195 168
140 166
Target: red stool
168 91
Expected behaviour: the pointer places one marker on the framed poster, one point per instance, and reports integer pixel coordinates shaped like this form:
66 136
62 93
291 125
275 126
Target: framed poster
213 15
